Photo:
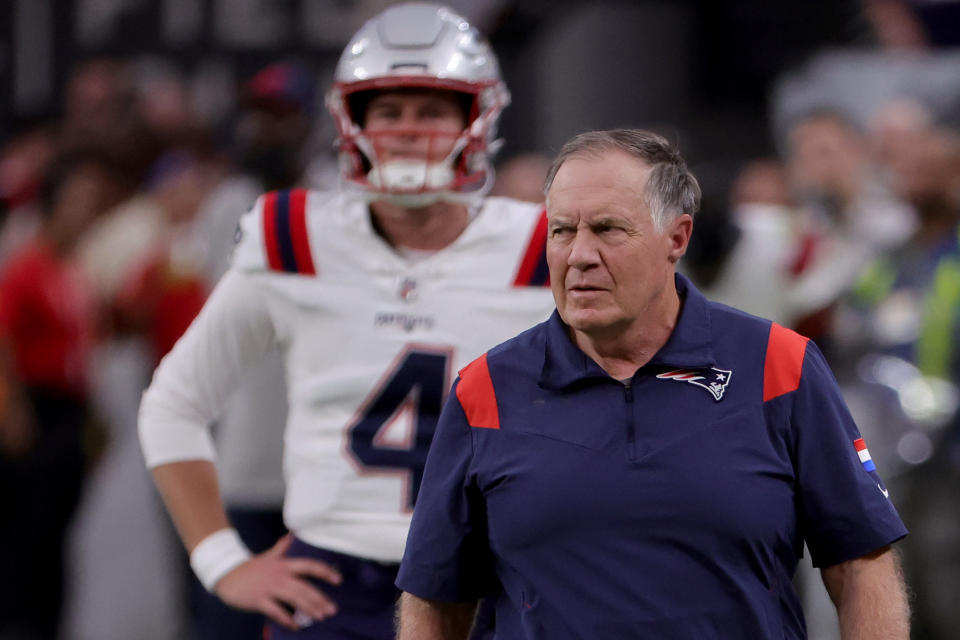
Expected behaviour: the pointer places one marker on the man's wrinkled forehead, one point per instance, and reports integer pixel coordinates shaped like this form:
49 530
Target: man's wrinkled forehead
596 177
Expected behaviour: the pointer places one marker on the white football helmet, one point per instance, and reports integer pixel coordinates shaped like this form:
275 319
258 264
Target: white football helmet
419 45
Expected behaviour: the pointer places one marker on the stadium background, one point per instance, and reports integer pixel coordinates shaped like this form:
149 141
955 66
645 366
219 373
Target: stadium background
722 78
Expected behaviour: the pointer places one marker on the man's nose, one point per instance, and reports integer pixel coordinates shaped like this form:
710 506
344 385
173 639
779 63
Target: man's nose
409 131
584 250
406 128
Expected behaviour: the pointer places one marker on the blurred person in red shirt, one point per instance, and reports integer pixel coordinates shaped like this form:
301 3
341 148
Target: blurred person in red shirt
162 288
47 327
23 160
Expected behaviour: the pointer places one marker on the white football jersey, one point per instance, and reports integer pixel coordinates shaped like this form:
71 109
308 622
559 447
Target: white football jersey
371 343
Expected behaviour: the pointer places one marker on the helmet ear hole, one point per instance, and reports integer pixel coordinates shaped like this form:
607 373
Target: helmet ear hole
468 105
357 103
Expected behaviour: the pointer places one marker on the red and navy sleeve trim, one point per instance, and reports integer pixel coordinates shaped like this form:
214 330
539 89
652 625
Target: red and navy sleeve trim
476 395
783 366
285 232
533 270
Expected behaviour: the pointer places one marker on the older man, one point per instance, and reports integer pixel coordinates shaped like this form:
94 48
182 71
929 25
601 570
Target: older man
646 463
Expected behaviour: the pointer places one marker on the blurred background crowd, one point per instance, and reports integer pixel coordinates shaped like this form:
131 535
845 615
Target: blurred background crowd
134 133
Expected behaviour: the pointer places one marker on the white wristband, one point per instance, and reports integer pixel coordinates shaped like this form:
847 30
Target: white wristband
217 555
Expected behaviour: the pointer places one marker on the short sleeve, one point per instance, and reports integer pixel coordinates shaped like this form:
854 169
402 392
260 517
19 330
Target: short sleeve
447 556
843 506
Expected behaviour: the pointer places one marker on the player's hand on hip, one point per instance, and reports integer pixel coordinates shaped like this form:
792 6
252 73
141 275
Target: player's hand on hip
274 584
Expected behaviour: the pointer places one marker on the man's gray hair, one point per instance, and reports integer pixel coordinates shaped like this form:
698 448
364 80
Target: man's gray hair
671 189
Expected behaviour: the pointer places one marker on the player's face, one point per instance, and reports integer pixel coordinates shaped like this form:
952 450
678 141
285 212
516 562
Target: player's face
609 268
414 124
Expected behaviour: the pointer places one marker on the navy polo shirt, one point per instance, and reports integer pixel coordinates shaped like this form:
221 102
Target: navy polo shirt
671 506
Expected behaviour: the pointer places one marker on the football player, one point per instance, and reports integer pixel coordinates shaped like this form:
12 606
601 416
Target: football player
376 294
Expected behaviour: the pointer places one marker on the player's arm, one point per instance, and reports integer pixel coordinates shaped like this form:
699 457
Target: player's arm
188 392
191 493
870 596
419 619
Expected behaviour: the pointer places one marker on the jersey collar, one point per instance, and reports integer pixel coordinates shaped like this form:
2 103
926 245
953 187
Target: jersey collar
690 346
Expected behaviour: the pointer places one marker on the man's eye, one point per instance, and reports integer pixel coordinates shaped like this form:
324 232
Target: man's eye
382 114
607 228
557 232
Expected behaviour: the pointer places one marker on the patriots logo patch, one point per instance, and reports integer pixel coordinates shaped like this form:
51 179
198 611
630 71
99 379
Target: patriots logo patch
713 380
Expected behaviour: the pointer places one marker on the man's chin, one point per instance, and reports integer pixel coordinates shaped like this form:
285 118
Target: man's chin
587 320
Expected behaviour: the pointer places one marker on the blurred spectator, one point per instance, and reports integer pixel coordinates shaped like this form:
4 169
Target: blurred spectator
904 314
153 259
23 161
139 110
269 146
165 288
887 308
161 103
892 129
522 177
756 274
276 109
143 250
47 327
97 101
847 214
905 304
144 268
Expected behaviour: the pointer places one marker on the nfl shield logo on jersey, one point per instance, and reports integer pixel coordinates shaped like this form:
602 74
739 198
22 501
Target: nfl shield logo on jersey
713 380
407 289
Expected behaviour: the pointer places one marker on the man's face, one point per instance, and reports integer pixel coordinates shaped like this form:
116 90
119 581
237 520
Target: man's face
825 156
89 190
414 124
608 265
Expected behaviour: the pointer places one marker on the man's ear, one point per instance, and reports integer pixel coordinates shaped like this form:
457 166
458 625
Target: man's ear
678 232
